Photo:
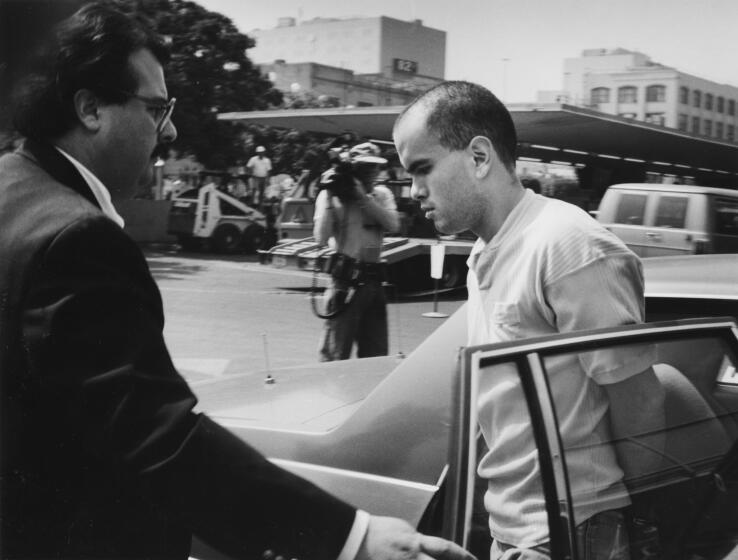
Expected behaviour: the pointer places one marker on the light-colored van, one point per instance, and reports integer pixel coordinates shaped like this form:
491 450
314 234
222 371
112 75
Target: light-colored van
660 220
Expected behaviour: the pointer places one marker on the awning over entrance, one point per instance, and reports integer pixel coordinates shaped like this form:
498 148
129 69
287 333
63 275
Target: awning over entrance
552 133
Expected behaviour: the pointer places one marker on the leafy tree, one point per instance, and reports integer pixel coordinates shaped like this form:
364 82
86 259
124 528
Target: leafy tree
209 72
305 99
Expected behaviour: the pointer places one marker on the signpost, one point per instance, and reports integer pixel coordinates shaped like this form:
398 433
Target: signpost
437 252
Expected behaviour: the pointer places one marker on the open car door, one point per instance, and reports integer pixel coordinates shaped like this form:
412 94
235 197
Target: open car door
682 505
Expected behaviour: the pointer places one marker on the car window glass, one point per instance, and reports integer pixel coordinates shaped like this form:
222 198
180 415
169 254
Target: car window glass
662 493
726 216
671 211
631 209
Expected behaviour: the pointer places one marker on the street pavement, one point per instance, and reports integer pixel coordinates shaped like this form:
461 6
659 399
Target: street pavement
229 315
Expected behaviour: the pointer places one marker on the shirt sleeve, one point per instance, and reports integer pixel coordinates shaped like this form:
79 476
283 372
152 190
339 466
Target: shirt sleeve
355 537
607 292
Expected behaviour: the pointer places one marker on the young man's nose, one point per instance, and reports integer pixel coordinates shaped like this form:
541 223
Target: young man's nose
417 191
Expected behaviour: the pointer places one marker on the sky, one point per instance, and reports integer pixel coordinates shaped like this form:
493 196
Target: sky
518 47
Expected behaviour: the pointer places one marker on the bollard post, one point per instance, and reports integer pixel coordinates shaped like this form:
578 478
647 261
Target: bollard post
436 255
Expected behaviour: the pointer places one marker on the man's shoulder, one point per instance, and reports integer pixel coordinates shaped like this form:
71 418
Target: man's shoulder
35 206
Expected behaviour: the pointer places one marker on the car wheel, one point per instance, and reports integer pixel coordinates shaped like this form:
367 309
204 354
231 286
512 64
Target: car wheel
226 239
253 238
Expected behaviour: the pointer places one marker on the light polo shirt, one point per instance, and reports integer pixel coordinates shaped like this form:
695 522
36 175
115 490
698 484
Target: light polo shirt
99 191
259 166
361 520
551 268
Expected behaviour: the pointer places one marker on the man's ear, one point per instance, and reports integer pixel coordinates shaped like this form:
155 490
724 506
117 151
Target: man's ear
87 108
483 153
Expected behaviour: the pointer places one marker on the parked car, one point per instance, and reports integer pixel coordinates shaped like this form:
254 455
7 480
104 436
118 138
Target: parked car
399 436
663 220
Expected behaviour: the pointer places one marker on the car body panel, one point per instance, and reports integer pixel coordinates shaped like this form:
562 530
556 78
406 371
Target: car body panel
665 220
394 437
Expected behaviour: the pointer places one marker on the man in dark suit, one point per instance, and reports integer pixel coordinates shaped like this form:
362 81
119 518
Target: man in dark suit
102 454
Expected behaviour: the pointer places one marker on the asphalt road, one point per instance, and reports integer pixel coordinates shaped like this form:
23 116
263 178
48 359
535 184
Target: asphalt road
232 315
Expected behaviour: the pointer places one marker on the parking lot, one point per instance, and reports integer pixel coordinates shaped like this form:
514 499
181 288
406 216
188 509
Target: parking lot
232 315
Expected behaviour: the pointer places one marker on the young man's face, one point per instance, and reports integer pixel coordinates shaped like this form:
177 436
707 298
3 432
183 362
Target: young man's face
443 179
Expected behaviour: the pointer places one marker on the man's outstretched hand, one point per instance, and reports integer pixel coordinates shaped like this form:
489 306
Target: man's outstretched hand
388 538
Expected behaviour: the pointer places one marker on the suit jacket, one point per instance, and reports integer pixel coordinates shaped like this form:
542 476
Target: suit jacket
102 454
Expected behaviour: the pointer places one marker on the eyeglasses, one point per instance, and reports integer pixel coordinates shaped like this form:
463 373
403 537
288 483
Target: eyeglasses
160 110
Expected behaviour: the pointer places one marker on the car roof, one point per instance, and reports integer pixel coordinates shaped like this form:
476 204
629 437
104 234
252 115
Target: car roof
712 276
675 188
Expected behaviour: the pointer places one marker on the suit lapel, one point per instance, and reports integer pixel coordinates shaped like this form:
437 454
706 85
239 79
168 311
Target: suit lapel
59 167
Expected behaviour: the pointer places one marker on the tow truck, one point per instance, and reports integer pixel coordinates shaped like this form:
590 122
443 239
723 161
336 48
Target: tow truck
208 217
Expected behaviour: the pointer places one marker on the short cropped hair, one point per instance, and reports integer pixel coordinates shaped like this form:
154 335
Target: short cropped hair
458 111
88 50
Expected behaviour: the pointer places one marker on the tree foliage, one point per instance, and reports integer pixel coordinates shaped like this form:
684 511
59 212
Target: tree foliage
209 72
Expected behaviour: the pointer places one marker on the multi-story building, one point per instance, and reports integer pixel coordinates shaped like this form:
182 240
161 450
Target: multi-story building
360 61
631 85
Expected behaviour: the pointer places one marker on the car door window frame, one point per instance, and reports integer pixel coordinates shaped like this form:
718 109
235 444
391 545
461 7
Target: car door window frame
528 356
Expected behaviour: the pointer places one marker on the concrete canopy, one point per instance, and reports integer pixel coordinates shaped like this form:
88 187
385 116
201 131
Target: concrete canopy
551 133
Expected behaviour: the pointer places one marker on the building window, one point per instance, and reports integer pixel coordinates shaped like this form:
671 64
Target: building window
719 130
731 106
708 101
656 93
730 133
655 118
627 115
627 94
708 127
720 104
684 95
696 125
697 98
600 95
683 122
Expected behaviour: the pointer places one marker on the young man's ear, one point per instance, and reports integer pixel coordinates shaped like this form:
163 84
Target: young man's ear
87 108
483 153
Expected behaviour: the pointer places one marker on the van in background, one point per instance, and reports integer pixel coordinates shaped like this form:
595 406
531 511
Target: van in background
665 219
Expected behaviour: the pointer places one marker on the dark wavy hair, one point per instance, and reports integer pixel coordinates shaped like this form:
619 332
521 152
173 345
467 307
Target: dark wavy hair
458 111
89 50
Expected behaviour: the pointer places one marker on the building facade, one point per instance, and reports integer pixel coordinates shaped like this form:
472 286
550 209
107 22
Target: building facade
360 61
631 85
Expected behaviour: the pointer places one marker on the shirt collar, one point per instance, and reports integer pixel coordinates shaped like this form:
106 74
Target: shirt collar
99 191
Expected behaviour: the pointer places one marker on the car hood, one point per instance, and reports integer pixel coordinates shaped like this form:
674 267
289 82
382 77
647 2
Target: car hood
310 398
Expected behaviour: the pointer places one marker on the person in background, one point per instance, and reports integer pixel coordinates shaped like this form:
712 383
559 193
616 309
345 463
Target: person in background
260 167
540 267
353 213
103 453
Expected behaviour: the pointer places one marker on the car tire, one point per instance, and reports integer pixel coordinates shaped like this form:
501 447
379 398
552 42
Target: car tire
253 238
226 239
